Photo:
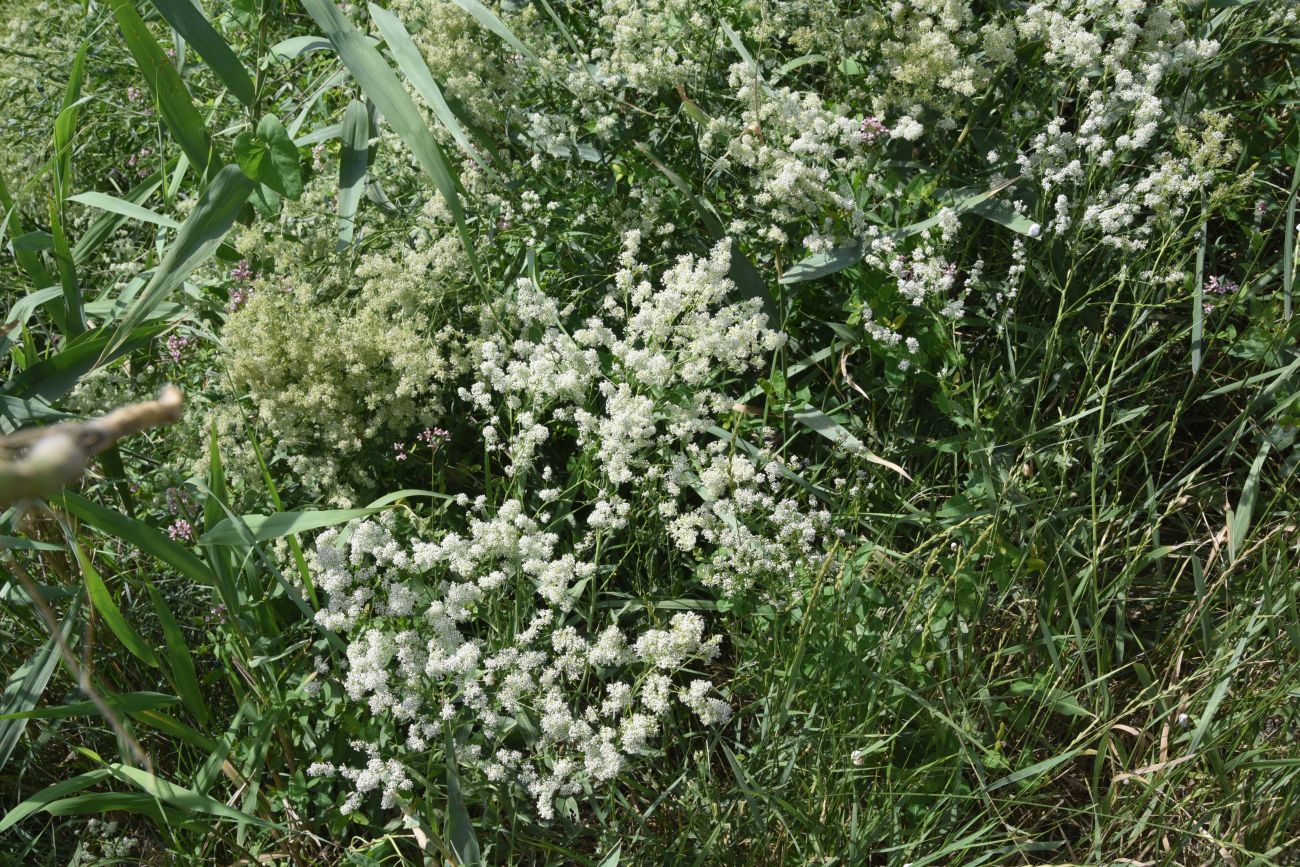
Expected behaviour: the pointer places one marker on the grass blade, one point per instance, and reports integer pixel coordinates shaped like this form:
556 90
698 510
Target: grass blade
107 608
179 796
130 210
126 702
179 660
484 17
50 794
460 830
1246 505
197 240
26 685
1288 244
383 88
1198 304
264 528
186 19
175 105
417 72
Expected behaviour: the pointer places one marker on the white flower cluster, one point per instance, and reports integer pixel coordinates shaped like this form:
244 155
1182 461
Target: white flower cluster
422 654
1122 55
635 389
797 155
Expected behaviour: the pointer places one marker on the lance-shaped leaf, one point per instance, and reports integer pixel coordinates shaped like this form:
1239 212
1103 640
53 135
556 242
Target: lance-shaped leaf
197 240
384 89
175 105
185 17
353 163
417 72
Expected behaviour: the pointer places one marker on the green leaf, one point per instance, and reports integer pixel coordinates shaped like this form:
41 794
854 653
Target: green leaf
822 264
55 376
460 830
297 46
50 794
1005 215
139 534
823 424
1198 303
181 797
615 855
103 228
267 527
195 243
179 659
175 105
107 608
353 164
1056 699
417 72
270 157
188 21
126 702
384 89
484 17
27 684
1246 505
105 202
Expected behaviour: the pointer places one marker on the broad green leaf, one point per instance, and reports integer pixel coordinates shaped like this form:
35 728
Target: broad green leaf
1198 303
105 202
488 20
962 200
353 163
103 228
460 830
175 105
181 797
112 802
270 157
126 702
1288 243
1246 505
55 376
185 17
22 311
615 855
107 608
179 659
1005 215
64 129
1034 770
823 424
1055 699
384 89
297 46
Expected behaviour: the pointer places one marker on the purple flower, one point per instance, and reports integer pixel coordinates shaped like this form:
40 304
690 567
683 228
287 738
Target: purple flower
1216 286
242 272
181 531
871 130
176 347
